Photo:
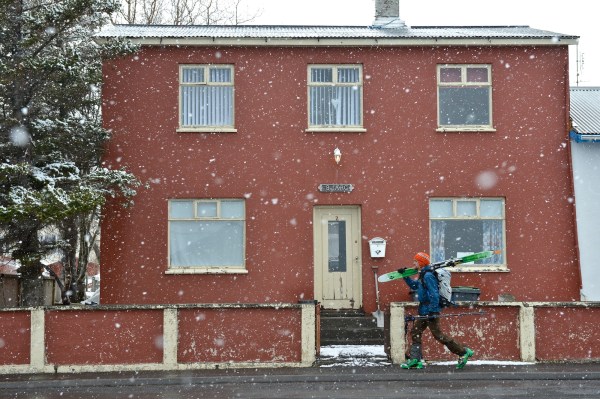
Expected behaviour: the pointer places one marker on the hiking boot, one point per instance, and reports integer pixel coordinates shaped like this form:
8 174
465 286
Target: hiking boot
462 361
412 364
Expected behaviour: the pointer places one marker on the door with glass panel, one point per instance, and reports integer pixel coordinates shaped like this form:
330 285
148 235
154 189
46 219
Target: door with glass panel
337 257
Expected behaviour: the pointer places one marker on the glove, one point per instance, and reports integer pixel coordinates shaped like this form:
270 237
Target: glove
402 270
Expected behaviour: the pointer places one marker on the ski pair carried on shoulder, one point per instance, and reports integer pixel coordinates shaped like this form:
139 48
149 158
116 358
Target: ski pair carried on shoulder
445 263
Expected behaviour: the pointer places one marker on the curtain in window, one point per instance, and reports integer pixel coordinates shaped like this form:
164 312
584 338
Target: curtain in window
492 239
206 243
335 106
438 234
207 106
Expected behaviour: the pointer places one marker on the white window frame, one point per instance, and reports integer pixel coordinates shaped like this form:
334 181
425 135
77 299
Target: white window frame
497 267
310 84
464 83
225 128
217 269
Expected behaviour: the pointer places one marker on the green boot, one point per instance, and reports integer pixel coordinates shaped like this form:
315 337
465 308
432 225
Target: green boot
412 364
462 361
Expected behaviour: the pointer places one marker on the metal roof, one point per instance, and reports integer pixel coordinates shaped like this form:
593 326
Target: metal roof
150 34
585 109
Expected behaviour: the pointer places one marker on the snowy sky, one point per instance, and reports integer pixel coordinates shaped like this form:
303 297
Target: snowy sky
574 17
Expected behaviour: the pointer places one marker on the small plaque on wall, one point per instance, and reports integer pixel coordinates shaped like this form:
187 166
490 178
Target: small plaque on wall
336 188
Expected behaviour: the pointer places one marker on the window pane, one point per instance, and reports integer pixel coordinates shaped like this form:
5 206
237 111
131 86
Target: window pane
207 209
220 75
232 209
451 237
337 246
206 243
449 75
464 105
320 75
192 75
339 106
348 75
477 75
440 208
491 208
466 208
207 106
181 210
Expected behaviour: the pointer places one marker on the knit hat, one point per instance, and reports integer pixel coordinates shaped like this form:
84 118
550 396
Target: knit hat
422 258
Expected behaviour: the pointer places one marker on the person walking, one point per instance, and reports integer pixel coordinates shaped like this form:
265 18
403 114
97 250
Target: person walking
426 287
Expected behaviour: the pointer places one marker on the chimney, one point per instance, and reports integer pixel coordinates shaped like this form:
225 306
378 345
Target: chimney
387 14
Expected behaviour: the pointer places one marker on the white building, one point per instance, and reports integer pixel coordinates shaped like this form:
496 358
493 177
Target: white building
585 152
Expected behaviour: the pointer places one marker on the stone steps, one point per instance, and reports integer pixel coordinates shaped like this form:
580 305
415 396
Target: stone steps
349 327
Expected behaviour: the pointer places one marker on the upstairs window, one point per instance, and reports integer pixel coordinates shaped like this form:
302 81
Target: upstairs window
462 226
464 97
206 96
335 96
207 234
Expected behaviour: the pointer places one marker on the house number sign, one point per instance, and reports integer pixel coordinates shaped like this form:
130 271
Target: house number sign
336 188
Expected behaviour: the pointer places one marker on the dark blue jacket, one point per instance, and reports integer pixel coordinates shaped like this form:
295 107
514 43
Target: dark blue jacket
426 287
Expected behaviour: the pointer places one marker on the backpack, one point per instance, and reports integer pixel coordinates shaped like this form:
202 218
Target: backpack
443 277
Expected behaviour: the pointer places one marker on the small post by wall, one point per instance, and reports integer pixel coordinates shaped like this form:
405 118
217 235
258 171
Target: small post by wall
527 332
170 335
308 356
397 336
38 342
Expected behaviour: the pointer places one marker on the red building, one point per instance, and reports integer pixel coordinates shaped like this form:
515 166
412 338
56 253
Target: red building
452 140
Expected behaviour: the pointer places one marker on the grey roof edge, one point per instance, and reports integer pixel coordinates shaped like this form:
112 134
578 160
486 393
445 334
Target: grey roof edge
585 111
149 34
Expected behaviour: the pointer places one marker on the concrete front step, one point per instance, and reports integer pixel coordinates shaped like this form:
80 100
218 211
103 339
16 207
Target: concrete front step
349 327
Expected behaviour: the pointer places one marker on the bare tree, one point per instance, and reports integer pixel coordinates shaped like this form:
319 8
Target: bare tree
185 12
152 11
128 11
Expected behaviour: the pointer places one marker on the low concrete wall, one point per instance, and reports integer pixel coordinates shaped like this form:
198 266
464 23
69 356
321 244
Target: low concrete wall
511 331
113 338
183 337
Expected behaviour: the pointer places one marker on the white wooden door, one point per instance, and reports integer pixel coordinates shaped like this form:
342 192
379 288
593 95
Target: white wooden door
337 257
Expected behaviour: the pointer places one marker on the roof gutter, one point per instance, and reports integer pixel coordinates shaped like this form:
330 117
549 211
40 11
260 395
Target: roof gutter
339 42
584 138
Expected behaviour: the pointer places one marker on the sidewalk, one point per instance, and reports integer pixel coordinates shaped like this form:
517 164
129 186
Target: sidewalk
444 372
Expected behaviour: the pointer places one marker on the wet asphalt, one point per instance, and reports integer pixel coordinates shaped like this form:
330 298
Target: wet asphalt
556 380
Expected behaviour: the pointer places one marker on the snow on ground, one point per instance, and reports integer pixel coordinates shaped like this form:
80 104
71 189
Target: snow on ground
353 356
375 356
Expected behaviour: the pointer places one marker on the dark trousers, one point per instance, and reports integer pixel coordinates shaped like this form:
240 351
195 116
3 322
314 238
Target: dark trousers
416 334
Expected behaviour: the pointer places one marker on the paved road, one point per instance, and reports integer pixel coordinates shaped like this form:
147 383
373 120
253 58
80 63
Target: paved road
528 381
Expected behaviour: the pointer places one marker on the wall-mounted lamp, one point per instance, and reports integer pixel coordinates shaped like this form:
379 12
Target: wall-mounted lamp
337 155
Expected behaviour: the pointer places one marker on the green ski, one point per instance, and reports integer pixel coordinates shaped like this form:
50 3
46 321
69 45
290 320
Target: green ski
445 263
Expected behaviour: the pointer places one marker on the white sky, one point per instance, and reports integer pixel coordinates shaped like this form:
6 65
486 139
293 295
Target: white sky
574 17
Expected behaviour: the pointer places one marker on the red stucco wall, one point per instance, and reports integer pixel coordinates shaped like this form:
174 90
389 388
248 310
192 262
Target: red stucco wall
396 166
493 335
15 343
104 337
218 335
567 334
